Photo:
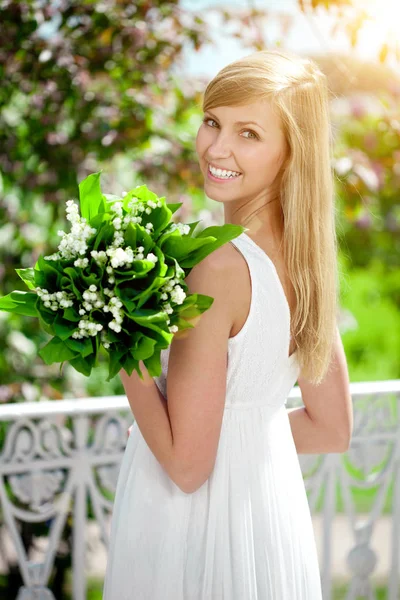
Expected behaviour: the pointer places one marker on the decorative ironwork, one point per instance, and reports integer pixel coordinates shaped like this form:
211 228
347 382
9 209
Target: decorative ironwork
58 455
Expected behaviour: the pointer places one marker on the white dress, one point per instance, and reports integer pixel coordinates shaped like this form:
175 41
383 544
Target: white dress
246 533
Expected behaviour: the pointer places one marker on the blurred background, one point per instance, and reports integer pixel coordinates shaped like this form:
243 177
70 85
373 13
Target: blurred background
116 85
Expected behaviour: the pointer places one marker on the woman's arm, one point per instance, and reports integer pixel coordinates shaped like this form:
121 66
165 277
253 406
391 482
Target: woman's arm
150 410
183 434
325 423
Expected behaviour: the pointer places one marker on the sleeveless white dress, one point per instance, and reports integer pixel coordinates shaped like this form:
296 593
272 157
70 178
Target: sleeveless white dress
246 533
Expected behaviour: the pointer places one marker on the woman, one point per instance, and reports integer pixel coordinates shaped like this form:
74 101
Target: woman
210 502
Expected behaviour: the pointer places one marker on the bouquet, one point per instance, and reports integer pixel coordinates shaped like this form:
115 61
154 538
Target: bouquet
117 280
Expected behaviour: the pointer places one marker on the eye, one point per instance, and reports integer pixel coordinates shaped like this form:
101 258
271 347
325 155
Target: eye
206 119
252 132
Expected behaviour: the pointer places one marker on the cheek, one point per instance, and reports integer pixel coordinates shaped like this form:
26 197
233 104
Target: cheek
262 164
201 140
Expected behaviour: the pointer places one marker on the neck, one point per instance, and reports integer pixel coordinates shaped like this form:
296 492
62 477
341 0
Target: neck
263 219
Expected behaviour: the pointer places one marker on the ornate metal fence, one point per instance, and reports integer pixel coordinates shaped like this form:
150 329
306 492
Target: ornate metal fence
58 456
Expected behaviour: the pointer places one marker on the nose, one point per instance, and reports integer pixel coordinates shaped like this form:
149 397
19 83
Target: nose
220 147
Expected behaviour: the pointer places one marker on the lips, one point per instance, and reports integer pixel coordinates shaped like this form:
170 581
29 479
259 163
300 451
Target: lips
223 168
221 180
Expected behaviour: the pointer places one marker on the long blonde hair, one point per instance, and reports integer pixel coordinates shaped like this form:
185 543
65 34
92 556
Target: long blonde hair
298 91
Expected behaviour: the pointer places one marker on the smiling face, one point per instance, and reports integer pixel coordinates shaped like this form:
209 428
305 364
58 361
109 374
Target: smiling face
227 140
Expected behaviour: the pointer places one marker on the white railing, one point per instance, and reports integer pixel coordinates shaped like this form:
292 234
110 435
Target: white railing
56 455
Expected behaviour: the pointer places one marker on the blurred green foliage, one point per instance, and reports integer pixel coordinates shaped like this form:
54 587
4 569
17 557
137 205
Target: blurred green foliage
367 163
89 86
82 84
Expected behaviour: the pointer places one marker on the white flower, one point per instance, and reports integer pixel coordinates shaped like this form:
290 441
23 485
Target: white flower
99 257
173 328
152 257
116 302
87 328
120 257
183 228
178 295
81 262
118 240
115 326
74 243
92 288
66 303
117 208
59 299
168 309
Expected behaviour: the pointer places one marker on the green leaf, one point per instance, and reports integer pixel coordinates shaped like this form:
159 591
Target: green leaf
27 276
20 303
143 193
174 207
48 269
101 217
143 316
47 315
63 328
74 279
56 351
222 234
70 314
48 328
194 305
144 348
153 363
115 362
149 324
90 197
129 364
83 346
83 365
130 236
104 235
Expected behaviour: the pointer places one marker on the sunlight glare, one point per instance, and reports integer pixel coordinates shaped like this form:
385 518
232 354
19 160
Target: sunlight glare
385 17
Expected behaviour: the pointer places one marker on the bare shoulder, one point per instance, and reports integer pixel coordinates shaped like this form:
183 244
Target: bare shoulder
220 275
218 269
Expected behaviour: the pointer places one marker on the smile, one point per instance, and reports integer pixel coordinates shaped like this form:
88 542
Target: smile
222 174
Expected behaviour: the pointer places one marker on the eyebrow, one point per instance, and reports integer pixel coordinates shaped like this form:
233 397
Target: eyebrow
238 122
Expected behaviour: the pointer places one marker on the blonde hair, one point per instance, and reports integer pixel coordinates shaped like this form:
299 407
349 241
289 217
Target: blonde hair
298 91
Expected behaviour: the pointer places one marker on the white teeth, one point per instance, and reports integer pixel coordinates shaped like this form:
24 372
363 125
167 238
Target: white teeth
222 174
